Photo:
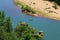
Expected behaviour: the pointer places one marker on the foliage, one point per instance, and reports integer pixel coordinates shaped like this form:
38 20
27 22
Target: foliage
25 7
29 9
55 6
2 18
1 33
8 25
10 36
25 31
22 31
57 1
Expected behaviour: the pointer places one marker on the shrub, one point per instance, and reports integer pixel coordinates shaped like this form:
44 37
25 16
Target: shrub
29 9
55 6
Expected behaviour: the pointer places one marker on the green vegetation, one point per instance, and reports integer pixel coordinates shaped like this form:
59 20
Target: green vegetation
22 31
55 6
25 7
28 10
57 1
19 3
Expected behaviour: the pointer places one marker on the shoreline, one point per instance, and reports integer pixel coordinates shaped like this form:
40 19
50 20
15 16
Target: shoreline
37 14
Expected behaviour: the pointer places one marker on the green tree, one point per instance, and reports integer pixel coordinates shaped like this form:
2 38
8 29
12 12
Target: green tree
24 31
21 27
1 33
10 36
2 18
8 25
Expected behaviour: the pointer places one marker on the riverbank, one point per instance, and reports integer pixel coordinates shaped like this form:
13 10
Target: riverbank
39 8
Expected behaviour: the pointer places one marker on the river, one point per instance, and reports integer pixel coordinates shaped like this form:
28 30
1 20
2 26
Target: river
50 27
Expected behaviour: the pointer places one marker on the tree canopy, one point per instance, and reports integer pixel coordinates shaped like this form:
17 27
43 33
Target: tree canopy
22 31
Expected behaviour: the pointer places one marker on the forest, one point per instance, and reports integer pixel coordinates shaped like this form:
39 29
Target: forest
23 31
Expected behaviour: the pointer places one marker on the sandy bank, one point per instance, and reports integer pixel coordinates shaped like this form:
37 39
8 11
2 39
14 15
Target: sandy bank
43 8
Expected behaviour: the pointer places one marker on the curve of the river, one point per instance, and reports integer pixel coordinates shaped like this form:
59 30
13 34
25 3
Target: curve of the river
50 27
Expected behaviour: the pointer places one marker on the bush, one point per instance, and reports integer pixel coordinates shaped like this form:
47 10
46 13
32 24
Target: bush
28 9
25 31
55 6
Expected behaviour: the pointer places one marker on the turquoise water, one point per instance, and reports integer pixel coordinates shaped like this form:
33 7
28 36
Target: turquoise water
50 27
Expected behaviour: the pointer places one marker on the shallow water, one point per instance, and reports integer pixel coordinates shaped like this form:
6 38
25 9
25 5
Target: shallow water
50 27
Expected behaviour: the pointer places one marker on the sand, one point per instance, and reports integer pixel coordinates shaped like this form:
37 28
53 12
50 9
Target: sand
44 6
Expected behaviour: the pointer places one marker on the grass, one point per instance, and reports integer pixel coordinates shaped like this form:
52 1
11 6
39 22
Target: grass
19 3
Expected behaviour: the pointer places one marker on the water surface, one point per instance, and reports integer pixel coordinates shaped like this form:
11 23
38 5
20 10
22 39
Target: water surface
50 27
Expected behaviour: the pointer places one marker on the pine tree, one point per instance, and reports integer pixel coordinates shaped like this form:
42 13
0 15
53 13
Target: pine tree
2 32
8 24
2 18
